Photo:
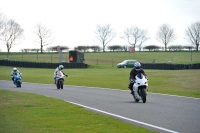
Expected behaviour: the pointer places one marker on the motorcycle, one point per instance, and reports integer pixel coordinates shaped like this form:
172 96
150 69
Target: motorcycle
60 79
17 79
140 88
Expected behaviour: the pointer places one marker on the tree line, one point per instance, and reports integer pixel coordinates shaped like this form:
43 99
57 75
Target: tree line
11 32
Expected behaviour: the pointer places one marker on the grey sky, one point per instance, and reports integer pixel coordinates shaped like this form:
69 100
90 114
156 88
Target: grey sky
74 21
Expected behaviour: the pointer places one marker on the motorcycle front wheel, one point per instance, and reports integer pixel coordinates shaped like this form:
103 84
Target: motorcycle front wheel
58 85
19 83
143 93
61 84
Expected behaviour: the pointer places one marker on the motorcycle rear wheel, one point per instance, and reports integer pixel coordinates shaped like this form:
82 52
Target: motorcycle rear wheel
137 100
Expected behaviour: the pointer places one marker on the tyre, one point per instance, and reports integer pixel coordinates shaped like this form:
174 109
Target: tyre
19 83
143 93
58 85
137 100
61 84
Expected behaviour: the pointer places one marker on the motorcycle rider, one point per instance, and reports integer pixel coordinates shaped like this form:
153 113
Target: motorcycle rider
14 71
59 68
137 69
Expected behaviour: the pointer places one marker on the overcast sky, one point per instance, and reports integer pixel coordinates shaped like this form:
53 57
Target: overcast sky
74 22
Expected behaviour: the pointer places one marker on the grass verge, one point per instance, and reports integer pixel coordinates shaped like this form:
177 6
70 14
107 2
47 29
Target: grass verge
31 113
175 82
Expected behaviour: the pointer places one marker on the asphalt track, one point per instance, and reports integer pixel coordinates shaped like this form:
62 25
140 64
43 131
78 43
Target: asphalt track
162 113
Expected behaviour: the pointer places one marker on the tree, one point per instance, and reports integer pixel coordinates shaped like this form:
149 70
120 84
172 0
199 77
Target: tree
176 47
25 50
115 47
188 47
165 35
105 34
135 35
44 35
152 48
1 21
125 48
193 34
95 48
11 33
54 48
82 48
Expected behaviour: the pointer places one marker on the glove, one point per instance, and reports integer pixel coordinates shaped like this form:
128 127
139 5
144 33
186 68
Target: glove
66 75
132 80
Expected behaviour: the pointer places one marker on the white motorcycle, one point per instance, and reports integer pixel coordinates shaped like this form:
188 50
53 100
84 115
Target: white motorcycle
140 88
60 79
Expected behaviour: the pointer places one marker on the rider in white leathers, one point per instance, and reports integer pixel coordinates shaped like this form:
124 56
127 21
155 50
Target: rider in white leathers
60 68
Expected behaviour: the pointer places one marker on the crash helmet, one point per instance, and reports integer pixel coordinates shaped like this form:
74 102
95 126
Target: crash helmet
60 67
137 66
14 69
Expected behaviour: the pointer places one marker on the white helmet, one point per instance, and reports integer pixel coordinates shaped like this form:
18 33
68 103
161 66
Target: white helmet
61 67
15 69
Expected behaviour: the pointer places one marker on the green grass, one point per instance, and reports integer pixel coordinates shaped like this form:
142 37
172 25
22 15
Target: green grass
31 113
175 82
110 59
19 113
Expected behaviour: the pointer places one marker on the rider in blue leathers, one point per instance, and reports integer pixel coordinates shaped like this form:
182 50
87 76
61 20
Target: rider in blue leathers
13 72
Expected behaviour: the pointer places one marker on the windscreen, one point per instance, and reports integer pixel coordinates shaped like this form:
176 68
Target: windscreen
139 75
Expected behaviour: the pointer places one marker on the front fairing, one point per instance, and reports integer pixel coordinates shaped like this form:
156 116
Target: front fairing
17 77
60 75
140 80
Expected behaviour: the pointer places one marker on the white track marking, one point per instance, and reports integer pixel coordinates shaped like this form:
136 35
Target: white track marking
125 118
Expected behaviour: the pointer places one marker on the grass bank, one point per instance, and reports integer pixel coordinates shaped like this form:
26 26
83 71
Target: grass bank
31 113
110 59
175 82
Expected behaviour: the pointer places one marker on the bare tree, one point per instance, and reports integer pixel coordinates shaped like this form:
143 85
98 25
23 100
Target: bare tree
135 35
125 47
44 35
105 34
193 34
165 35
11 32
1 20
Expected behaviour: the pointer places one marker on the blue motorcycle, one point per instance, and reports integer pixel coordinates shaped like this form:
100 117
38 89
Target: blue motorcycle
17 79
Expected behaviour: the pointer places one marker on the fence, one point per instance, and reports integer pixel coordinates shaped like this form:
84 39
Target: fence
41 64
165 66
159 66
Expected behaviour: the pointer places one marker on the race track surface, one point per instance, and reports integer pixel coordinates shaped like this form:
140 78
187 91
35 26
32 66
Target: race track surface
162 113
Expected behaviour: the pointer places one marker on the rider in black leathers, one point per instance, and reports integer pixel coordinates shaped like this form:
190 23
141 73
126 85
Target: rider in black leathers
137 69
